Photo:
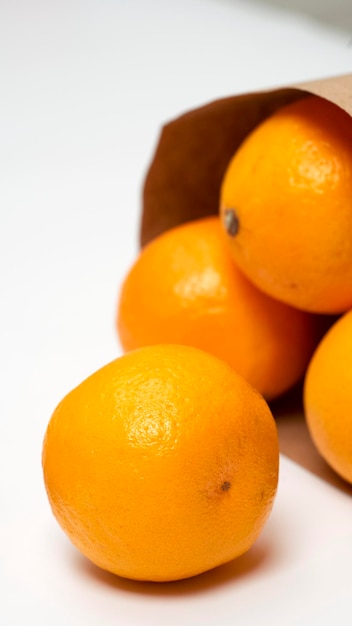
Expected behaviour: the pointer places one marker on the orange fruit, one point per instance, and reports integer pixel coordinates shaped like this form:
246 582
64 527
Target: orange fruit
185 288
286 206
328 397
162 464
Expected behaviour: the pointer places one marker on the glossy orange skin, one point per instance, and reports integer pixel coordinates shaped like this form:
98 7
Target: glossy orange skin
290 184
185 288
161 465
328 397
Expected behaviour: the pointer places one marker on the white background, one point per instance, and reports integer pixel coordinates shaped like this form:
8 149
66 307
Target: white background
84 89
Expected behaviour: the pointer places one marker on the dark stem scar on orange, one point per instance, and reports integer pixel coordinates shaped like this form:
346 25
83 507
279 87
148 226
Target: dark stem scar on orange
231 222
225 485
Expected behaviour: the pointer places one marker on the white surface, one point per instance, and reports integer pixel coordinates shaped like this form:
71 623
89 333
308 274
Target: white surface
84 88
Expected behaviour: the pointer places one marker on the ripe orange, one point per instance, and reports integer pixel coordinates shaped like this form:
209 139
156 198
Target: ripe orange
185 288
286 206
328 397
162 464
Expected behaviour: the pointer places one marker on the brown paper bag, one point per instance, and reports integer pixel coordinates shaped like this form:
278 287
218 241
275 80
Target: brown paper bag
183 183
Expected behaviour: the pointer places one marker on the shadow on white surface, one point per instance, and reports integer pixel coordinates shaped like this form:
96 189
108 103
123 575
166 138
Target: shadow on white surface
246 565
49 576
333 13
